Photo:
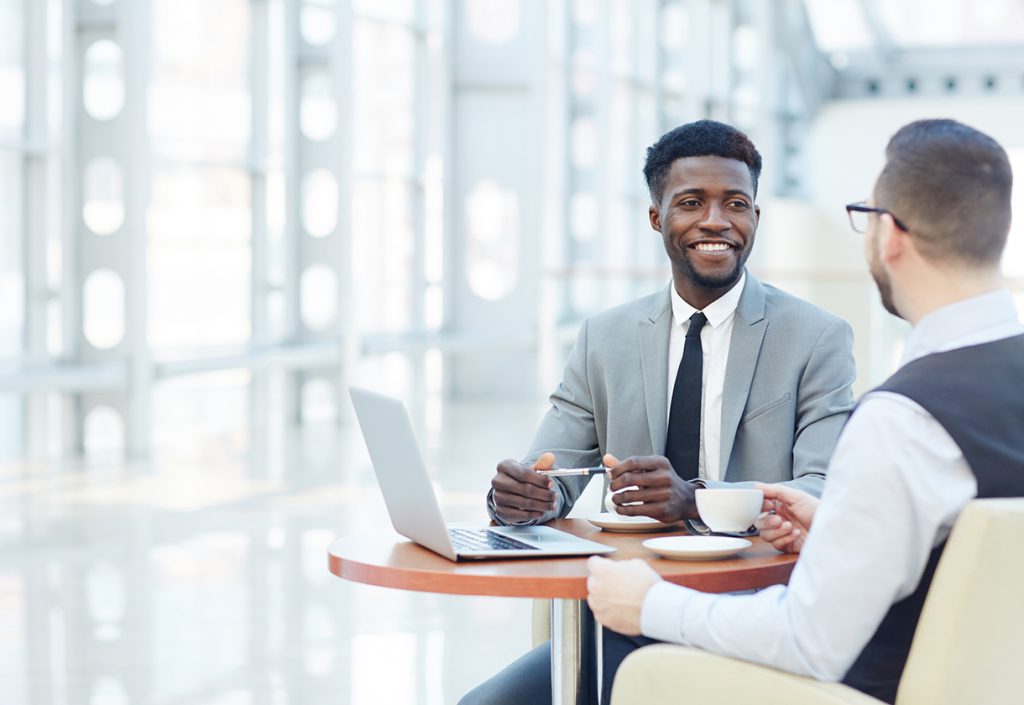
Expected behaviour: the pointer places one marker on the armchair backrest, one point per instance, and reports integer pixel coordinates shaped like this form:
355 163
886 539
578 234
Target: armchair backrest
965 649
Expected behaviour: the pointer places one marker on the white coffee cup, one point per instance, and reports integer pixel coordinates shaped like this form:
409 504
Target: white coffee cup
729 509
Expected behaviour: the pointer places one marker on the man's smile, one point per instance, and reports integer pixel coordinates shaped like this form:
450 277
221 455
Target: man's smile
712 248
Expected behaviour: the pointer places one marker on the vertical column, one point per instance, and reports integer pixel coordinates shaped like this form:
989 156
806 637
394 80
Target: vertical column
492 211
136 38
756 101
260 283
37 220
553 293
106 283
318 185
591 88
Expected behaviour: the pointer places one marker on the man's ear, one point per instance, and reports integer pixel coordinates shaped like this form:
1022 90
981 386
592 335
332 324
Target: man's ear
655 216
892 240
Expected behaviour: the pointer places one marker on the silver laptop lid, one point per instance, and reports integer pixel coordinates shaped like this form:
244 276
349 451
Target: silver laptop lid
401 473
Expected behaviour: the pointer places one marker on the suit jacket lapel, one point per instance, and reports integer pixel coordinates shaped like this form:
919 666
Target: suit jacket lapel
652 337
744 347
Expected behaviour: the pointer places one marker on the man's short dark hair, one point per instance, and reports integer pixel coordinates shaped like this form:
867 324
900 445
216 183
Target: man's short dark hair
951 185
704 138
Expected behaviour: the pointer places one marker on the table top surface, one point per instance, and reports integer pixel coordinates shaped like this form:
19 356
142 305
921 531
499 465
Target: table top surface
390 560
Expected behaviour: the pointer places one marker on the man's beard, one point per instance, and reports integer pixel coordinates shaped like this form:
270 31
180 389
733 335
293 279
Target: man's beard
883 284
706 281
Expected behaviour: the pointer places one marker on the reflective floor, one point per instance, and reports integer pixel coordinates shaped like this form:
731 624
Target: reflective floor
200 576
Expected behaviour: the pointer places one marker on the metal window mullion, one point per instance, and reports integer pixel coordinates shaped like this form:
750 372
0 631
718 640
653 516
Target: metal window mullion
661 62
602 177
135 38
416 187
449 221
554 288
35 227
348 338
258 159
71 280
292 50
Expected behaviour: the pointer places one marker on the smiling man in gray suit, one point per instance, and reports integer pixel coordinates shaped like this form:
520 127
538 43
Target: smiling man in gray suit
716 379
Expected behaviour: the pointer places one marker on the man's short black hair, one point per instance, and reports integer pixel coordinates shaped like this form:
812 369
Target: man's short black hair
951 185
703 138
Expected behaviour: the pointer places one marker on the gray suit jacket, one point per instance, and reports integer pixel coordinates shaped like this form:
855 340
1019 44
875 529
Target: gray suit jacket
787 390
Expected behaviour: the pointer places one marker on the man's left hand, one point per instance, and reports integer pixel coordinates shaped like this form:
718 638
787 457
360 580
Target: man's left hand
650 480
616 591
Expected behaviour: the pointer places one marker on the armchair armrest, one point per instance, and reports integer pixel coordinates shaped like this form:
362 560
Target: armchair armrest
661 674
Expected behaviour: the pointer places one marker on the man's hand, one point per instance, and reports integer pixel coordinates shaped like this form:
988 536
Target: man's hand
616 592
665 496
790 517
521 493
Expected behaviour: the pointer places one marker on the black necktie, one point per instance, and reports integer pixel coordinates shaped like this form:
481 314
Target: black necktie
682 448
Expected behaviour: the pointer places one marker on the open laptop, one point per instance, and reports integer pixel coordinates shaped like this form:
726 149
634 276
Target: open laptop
413 507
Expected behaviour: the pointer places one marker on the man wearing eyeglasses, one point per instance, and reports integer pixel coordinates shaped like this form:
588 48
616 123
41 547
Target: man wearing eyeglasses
944 429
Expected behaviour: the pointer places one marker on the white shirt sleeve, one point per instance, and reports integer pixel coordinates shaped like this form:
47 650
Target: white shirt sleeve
896 483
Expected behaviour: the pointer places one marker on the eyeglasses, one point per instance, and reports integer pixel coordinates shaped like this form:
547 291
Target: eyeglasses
859 212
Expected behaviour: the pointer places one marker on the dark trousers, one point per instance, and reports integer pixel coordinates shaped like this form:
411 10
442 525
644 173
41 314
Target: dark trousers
527 680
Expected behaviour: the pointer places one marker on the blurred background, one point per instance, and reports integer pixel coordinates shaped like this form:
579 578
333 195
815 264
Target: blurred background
215 215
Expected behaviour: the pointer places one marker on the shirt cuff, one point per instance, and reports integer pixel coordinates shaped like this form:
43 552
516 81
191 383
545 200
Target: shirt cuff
661 614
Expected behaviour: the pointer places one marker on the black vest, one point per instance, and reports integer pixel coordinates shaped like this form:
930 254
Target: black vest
977 395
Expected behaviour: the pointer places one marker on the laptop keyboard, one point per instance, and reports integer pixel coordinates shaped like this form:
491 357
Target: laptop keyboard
484 540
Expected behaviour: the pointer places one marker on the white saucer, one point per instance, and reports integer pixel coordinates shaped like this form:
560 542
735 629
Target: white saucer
610 521
696 548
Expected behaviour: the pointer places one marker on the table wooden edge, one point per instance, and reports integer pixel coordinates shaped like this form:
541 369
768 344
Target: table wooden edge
420 570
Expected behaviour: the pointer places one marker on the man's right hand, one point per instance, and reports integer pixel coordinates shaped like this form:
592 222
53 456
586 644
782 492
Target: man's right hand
788 518
521 493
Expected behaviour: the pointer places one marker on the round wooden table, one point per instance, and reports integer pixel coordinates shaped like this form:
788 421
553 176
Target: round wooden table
390 560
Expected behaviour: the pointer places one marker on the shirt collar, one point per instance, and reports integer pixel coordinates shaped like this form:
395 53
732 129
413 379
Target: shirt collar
717 312
952 325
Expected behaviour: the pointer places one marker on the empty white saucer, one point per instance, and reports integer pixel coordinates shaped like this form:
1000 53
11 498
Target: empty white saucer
610 521
696 548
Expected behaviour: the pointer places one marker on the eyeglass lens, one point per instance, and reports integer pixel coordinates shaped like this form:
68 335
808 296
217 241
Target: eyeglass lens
859 221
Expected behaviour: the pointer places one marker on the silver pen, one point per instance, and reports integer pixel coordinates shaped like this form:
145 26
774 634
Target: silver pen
563 472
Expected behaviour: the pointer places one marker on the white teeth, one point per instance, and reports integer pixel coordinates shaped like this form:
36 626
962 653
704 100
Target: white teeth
712 246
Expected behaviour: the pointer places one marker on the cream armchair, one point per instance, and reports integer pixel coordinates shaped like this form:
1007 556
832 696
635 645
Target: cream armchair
965 649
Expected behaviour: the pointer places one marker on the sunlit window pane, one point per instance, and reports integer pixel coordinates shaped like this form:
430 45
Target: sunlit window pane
318 112
382 249
318 21
392 10
318 288
199 257
930 23
103 83
493 226
103 210
103 305
199 103
584 138
382 97
674 27
104 435
320 203
11 283
12 76
493 21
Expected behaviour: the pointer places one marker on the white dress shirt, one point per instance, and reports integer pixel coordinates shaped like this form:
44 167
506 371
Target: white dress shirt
714 339
896 484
